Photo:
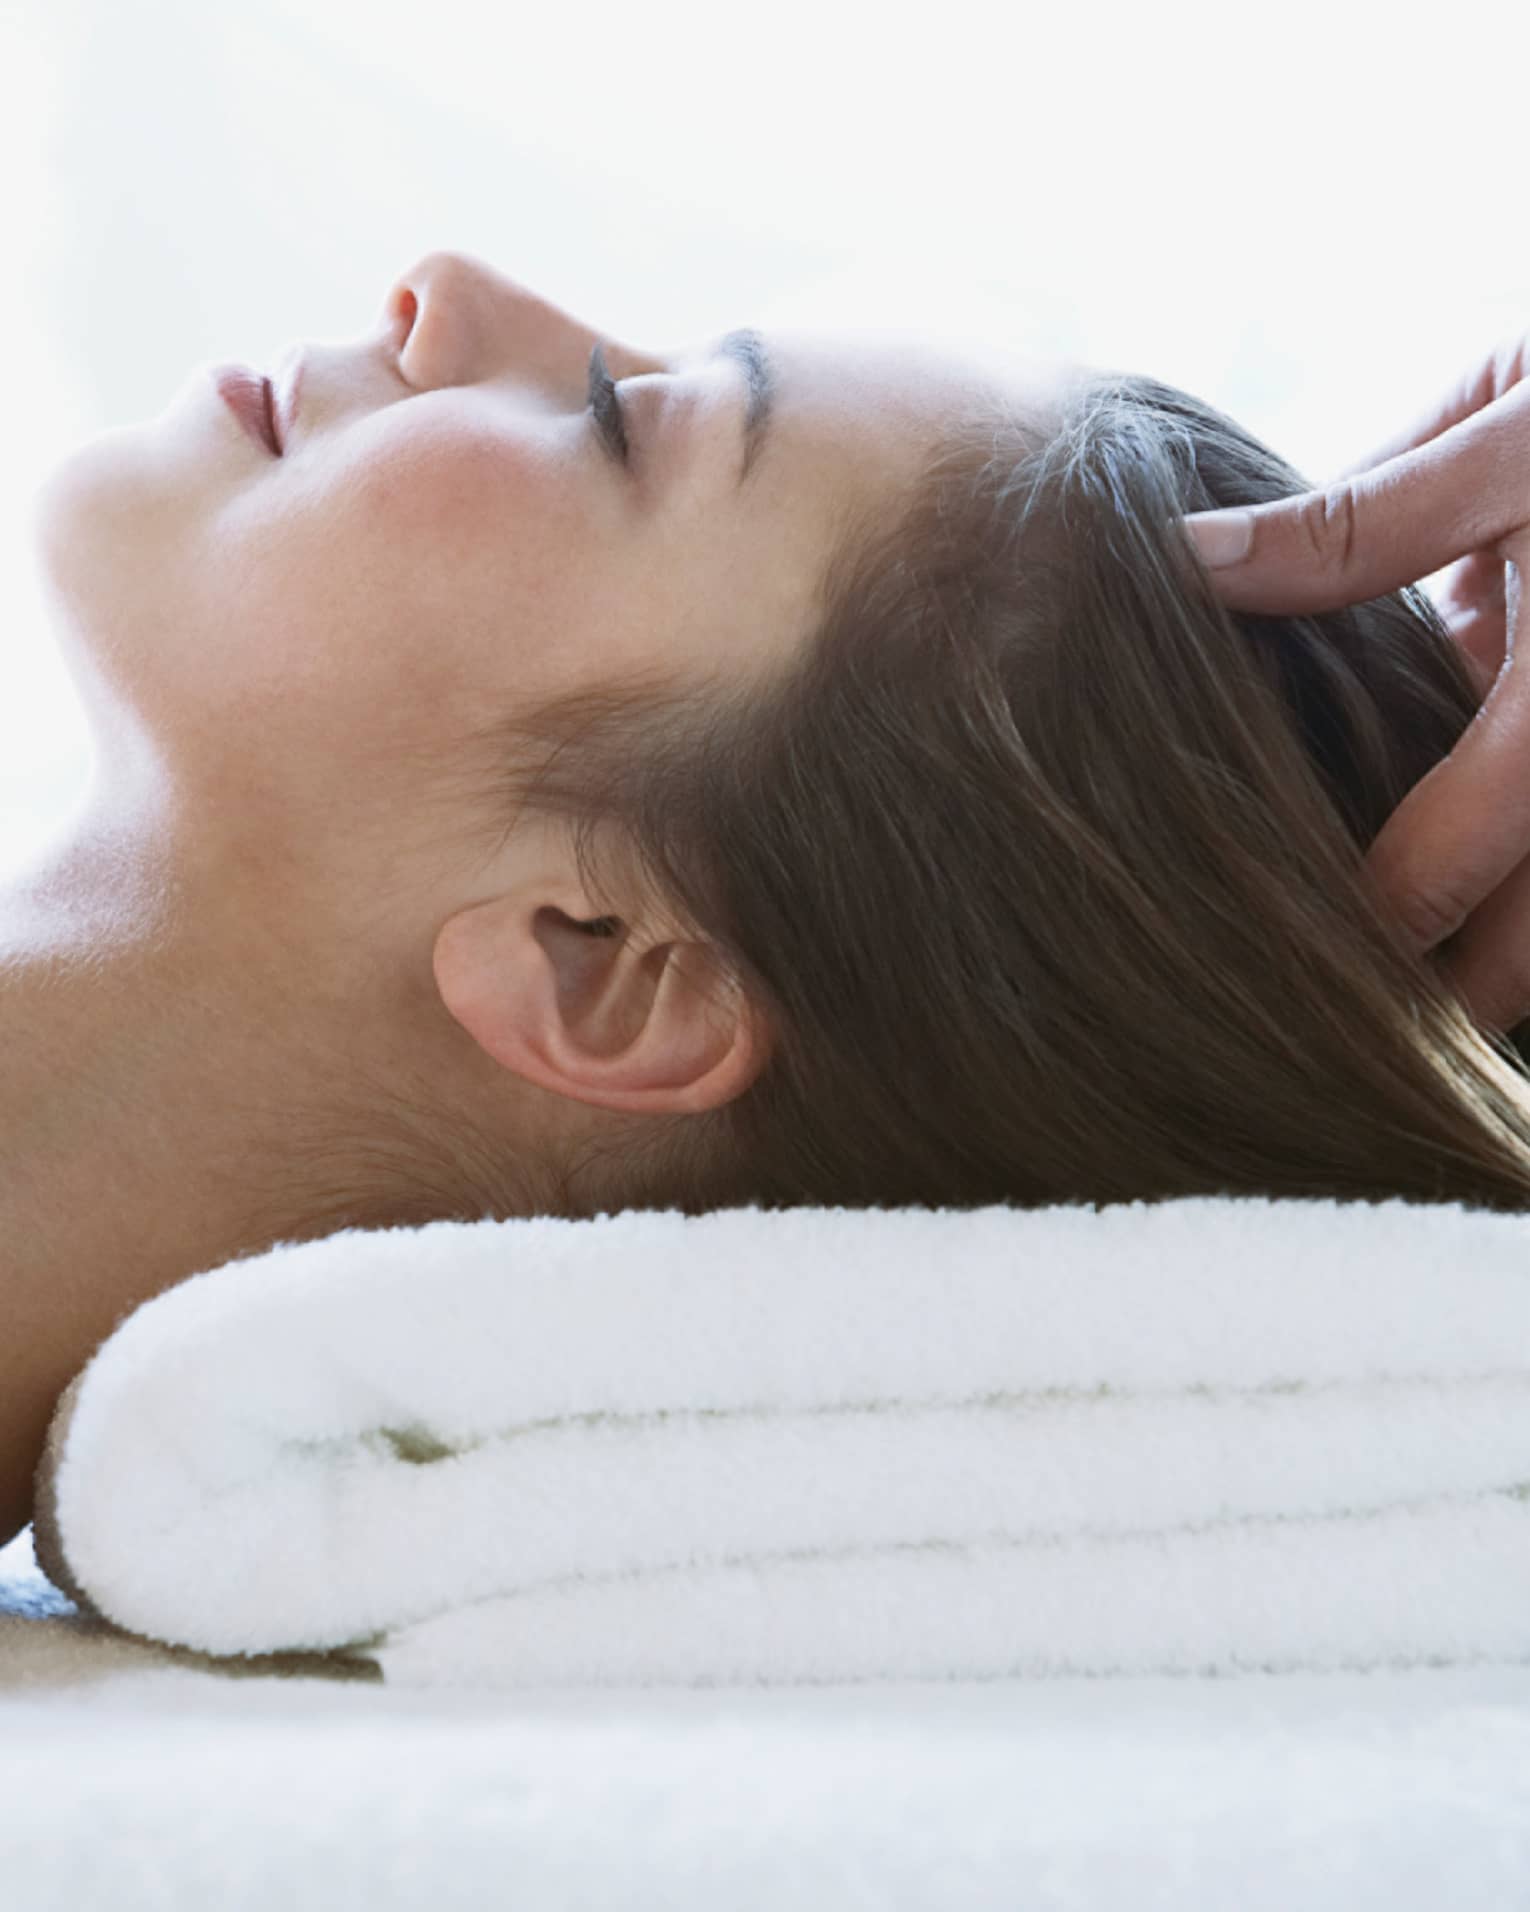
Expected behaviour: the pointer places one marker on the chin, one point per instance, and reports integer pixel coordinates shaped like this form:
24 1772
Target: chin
124 494
94 532
83 511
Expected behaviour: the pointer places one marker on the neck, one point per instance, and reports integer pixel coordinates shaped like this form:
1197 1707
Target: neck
178 1090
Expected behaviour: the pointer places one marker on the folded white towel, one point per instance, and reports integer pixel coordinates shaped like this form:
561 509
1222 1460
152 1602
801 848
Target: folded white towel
823 1444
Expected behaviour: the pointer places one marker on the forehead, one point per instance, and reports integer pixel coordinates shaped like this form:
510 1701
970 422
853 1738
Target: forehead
917 370
901 385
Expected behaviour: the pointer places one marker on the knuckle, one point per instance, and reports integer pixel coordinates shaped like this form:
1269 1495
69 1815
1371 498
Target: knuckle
1332 527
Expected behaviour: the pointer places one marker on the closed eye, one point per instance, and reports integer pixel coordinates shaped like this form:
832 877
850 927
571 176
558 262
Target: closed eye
606 409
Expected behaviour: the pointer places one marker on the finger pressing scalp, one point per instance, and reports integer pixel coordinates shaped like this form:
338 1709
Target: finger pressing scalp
1376 530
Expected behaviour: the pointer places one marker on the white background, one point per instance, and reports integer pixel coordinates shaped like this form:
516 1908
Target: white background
1313 215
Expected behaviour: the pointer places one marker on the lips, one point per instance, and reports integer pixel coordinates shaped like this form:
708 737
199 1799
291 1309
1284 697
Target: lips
248 397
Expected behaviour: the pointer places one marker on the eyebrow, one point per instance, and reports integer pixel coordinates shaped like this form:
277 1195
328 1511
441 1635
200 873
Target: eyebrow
749 349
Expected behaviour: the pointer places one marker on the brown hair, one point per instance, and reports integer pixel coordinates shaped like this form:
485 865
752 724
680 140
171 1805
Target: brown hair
1045 868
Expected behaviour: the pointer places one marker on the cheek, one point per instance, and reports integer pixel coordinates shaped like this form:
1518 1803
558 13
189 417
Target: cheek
371 559
456 525
392 604
485 567
502 571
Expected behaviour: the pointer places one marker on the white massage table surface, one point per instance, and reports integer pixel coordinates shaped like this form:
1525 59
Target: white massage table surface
131 1778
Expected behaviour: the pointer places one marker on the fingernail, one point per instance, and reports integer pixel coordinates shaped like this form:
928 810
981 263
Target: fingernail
1221 537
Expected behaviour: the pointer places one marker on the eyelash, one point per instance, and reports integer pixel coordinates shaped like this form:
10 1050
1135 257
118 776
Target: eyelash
604 405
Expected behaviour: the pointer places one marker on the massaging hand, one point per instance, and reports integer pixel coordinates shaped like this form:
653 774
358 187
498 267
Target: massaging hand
1454 857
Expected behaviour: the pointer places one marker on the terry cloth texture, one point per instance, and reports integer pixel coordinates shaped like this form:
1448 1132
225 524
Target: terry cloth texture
817 1445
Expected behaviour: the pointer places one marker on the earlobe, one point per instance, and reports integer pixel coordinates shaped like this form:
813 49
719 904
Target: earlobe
597 1018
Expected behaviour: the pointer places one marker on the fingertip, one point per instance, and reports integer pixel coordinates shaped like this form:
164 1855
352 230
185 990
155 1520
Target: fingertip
1221 538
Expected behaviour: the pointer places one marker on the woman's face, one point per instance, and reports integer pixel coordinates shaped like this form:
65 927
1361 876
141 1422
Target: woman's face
305 641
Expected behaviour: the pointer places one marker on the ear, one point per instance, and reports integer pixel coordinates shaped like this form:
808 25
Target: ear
594 1016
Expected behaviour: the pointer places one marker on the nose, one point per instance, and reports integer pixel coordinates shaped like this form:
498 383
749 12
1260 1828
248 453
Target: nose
456 319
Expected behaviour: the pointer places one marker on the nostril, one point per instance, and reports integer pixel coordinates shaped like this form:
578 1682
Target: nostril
398 315
405 307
